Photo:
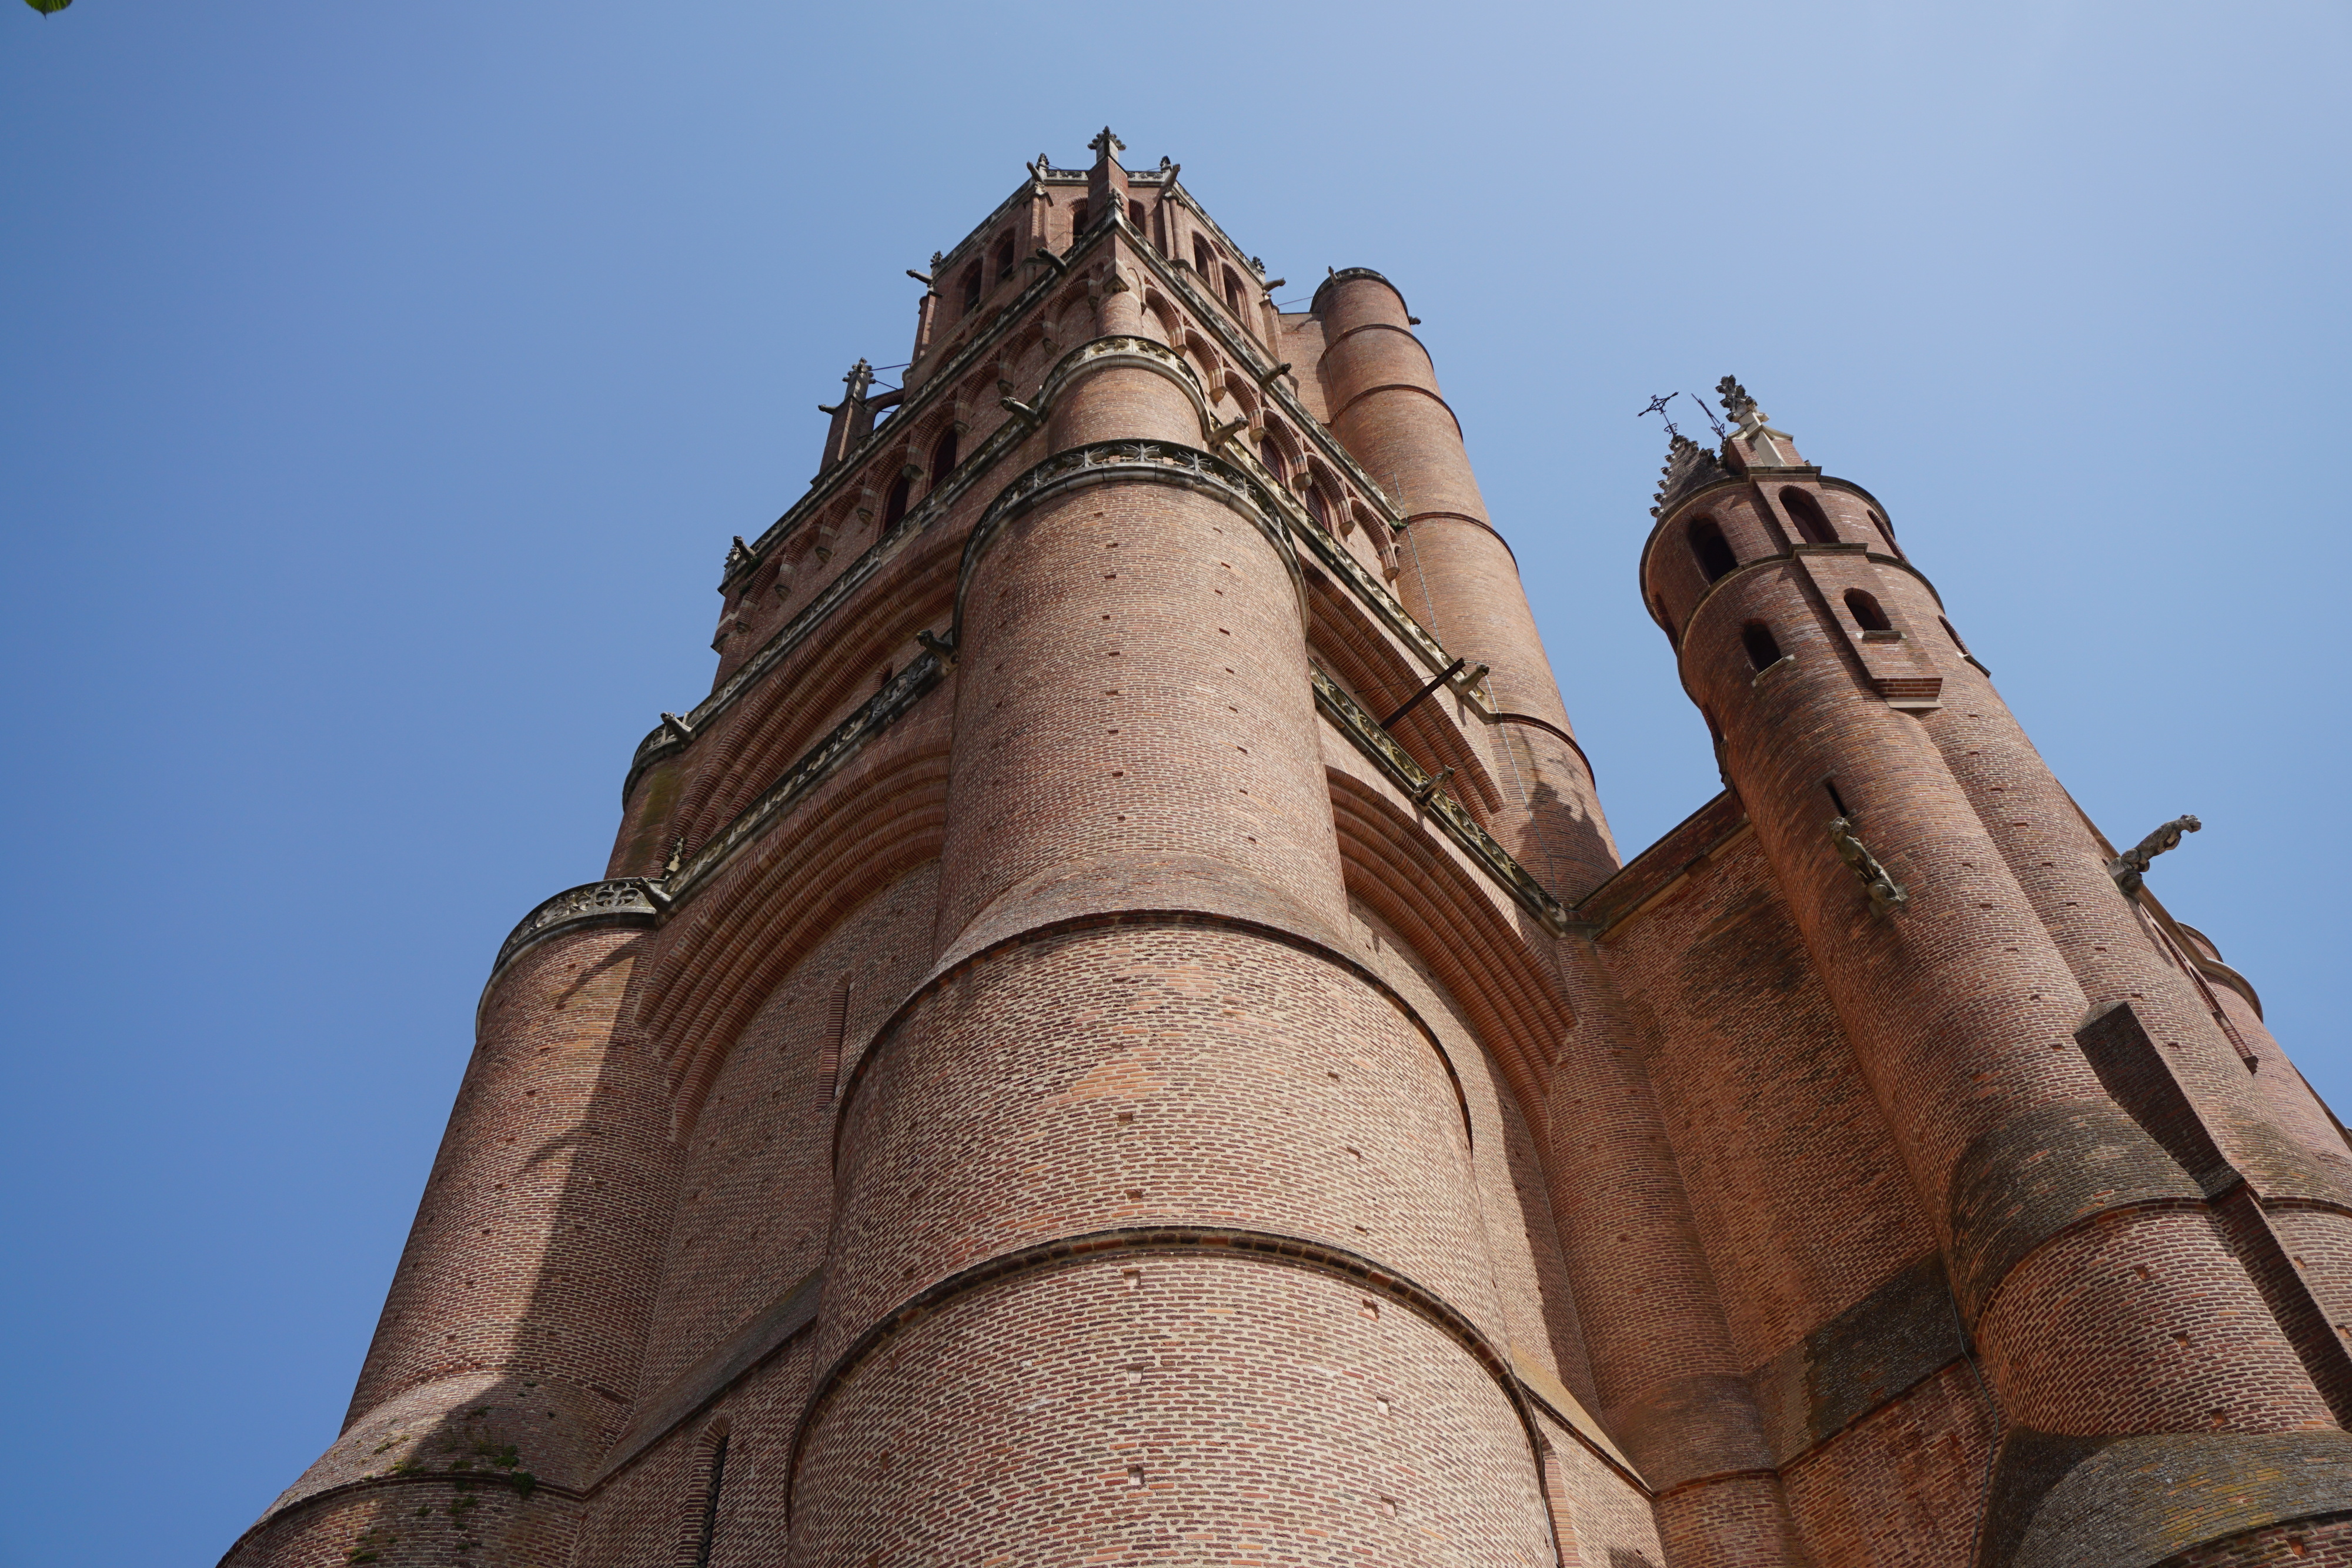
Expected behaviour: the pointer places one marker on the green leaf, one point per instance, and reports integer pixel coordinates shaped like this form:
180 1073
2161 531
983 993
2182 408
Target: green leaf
48 7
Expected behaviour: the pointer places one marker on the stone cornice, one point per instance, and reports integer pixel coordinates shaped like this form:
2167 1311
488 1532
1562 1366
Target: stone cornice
814 768
626 901
1133 352
1131 462
1251 352
646 901
661 742
1349 275
1450 814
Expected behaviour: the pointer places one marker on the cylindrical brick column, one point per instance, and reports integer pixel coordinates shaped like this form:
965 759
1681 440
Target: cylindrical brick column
1457 575
509 1342
1671 1390
2102 1296
1157 1229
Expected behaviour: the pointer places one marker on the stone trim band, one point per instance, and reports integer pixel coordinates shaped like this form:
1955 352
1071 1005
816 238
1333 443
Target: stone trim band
1132 462
1408 775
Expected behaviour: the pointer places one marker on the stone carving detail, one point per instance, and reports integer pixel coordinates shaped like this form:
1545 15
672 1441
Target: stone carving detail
663 742
1153 355
1358 724
2130 868
1689 468
813 769
1752 429
1163 461
1338 559
1885 893
1738 404
622 902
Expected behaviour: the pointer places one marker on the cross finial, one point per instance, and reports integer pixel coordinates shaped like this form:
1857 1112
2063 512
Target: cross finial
1658 407
1104 145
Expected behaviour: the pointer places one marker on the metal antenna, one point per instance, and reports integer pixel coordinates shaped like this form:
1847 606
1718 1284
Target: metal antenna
1658 407
1713 423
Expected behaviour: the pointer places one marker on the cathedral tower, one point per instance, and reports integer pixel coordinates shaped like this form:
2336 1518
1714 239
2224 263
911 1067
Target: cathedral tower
1116 1032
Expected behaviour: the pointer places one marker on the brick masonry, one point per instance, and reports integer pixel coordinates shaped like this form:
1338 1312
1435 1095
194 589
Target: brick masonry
1038 1087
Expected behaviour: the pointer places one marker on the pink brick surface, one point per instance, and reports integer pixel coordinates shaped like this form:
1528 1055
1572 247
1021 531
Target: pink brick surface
1103 1114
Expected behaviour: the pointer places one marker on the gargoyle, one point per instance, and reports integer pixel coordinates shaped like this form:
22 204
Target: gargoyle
2130 868
1885 893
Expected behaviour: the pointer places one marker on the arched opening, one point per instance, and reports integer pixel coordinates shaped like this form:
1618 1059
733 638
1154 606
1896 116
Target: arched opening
1763 650
1318 508
895 506
943 455
1807 514
1271 455
1077 221
1135 214
1004 255
1864 608
1709 550
971 287
1233 290
1202 263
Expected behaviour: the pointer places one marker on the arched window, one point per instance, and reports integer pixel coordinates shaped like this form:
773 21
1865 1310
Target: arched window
1134 213
1807 513
1318 508
1866 613
1233 290
1003 256
895 507
1077 221
943 455
1707 546
1763 652
1201 261
971 287
1271 455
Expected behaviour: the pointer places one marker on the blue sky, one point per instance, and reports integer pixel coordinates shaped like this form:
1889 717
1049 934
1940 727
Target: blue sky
385 381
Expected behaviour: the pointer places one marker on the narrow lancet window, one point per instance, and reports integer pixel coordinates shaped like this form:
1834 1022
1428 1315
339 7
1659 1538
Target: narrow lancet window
895 507
1763 650
1271 455
1809 519
1864 607
943 455
1708 548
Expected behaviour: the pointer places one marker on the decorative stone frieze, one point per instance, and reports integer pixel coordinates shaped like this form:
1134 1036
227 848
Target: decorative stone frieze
622 902
1426 790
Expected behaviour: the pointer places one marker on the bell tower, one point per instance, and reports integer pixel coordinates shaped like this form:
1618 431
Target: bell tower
2141 1210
